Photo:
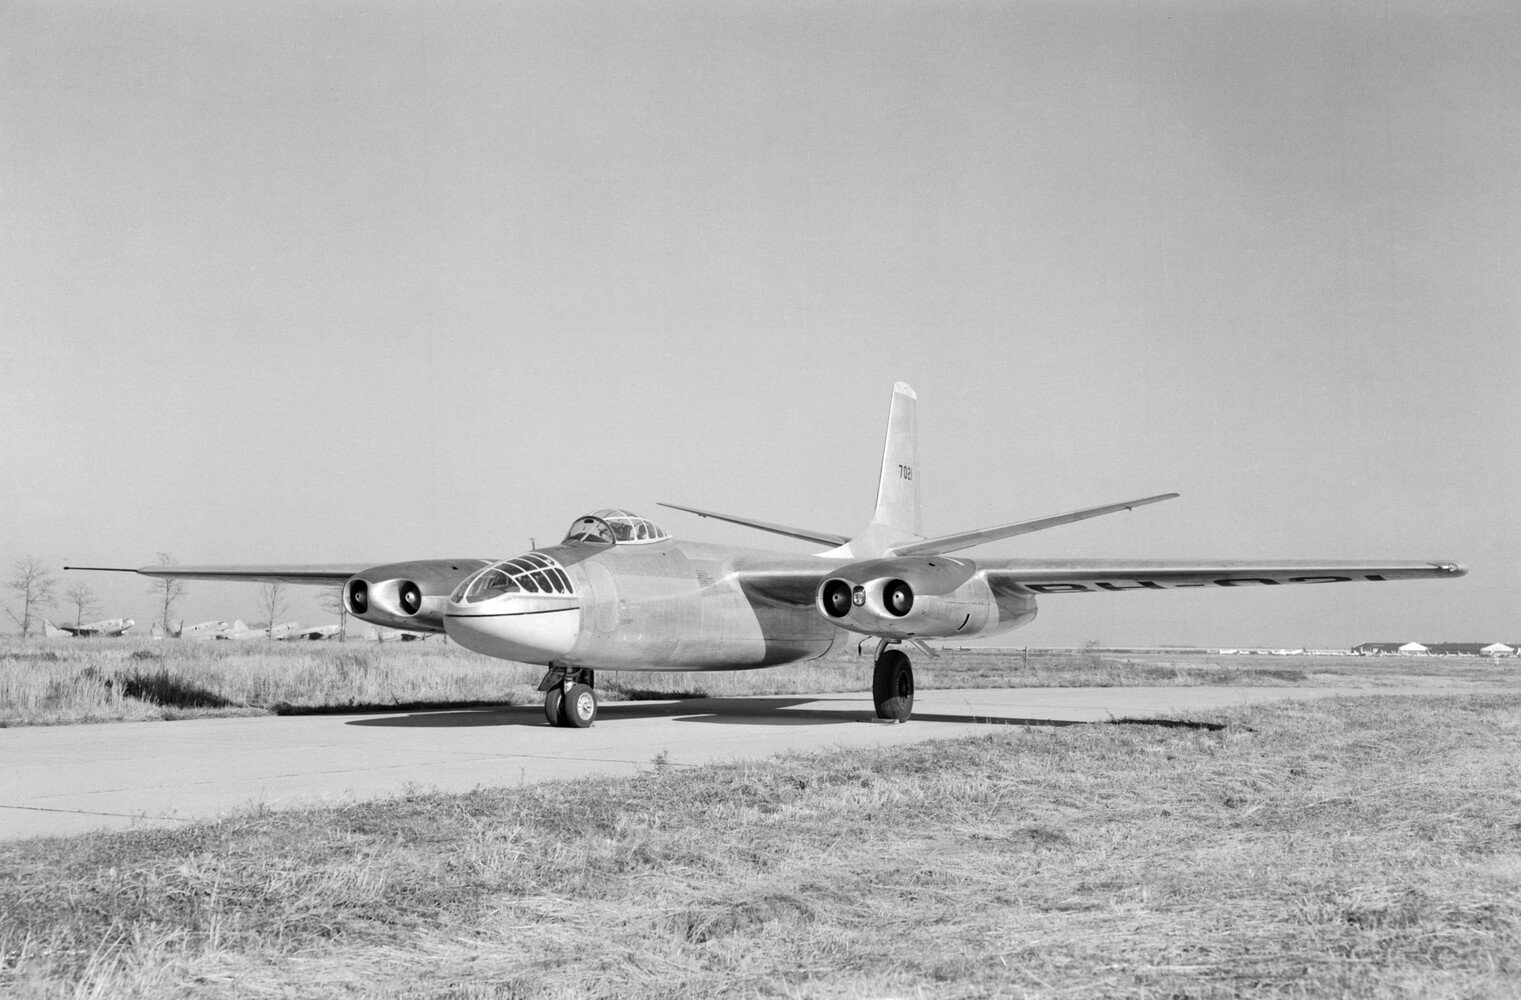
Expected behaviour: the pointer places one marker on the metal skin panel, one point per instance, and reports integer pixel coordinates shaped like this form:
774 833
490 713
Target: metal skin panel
681 607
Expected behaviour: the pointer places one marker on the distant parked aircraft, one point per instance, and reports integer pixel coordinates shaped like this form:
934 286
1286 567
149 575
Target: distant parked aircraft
205 630
241 631
314 632
396 635
106 626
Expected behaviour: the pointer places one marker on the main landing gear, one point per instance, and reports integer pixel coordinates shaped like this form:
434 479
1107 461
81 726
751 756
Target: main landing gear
570 698
892 684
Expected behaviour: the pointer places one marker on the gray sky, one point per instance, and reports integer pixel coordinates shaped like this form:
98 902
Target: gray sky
332 282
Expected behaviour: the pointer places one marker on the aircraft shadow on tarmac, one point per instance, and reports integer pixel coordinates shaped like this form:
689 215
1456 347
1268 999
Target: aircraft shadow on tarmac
719 711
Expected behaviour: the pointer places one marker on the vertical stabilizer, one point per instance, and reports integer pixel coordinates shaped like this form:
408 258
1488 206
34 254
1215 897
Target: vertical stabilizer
896 519
898 489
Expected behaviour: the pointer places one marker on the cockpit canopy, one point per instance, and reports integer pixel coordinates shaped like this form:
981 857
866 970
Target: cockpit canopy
534 573
611 526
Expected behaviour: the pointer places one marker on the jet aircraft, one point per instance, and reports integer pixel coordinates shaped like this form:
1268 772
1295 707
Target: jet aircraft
106 626
619 593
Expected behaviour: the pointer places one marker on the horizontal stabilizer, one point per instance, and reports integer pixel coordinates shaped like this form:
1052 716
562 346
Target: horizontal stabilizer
966 539
807 535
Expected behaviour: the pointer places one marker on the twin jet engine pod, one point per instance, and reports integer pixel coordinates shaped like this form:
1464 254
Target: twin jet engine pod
909 598
407 595
395 603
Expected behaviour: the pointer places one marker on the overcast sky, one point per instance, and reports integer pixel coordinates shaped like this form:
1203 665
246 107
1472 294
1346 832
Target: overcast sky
330 282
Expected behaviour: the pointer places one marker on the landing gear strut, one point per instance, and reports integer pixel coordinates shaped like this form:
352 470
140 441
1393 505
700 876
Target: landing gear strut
570 697
892 684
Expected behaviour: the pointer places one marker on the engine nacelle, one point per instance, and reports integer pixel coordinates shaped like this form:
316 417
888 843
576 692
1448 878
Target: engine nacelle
409 595
918 598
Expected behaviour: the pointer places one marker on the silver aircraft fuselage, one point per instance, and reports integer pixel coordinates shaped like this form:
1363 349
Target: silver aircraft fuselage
666 605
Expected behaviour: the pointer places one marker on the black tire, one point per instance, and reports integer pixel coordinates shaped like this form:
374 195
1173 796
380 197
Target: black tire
554 704
892 686
580 706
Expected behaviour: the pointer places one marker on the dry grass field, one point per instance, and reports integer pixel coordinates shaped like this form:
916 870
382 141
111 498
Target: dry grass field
1365 847
65 681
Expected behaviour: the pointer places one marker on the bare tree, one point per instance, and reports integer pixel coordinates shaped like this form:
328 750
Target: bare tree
83 598
168 590
272 603
35 586
332 600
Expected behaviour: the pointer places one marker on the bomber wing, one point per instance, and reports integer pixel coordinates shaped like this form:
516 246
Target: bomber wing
325 576
781 581
966 539
806 534
1081 576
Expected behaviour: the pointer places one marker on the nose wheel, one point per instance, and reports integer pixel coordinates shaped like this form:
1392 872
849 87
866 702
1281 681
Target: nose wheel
570 700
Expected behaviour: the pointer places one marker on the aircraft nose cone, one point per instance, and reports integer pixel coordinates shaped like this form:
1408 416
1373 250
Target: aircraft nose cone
526 629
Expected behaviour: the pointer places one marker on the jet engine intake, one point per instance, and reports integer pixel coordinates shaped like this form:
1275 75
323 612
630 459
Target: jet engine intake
357 597
834 598
409 596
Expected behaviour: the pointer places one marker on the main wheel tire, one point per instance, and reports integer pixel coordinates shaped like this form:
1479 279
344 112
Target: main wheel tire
580 706
892 686
554 706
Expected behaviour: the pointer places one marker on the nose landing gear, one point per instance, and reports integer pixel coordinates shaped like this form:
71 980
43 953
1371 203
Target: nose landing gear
570 698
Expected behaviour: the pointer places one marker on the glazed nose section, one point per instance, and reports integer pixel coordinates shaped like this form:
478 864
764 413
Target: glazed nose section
495 614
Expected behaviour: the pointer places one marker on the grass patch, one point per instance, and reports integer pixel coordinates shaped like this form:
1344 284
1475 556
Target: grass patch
161 687
136 679
1351 847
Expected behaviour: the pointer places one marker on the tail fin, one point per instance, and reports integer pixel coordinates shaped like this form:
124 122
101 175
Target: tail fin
897 489
896 519
51 631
